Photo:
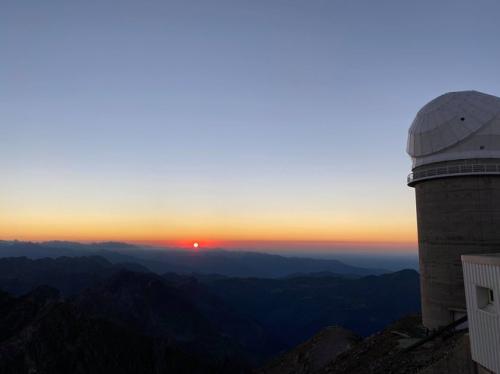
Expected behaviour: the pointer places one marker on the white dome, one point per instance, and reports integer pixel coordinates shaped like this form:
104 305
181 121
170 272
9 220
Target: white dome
456 125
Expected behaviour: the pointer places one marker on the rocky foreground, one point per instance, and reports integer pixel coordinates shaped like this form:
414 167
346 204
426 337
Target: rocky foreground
337 351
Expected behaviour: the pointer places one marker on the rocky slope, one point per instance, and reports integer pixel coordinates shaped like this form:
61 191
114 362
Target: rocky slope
43 335
388 351
385 352
313 355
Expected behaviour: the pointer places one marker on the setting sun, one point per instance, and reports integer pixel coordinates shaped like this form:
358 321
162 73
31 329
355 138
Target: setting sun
195 245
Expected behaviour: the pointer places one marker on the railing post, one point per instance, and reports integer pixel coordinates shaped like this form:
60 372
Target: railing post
453 170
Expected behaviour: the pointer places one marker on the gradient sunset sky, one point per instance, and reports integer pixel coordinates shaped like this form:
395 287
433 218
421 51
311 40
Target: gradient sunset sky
265 124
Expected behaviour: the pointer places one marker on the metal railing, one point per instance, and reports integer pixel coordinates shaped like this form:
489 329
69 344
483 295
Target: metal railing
437 333
453 170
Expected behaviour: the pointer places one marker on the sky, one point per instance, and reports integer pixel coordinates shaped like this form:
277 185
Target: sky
264 124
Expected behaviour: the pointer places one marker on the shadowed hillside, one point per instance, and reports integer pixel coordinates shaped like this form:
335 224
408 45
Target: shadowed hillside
294 309
227 322
41 334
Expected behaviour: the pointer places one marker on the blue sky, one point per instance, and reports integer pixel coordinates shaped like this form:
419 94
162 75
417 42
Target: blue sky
240 120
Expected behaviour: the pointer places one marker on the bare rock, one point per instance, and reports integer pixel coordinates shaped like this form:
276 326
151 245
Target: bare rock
315 354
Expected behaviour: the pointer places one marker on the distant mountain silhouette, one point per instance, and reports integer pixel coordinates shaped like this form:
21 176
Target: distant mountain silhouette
222 262
251 264
69 275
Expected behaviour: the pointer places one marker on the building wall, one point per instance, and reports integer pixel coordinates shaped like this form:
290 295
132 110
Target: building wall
455 216
483 315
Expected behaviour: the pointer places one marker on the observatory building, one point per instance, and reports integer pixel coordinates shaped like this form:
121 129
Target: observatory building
454 143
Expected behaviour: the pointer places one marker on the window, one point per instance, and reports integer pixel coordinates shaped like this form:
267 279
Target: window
485 298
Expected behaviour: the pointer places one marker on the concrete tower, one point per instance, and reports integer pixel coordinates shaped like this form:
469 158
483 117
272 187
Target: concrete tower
454 143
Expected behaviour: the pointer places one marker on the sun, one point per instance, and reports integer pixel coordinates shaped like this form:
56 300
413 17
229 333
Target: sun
195 245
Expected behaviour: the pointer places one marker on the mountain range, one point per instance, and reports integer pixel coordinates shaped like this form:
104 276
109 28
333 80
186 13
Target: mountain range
224 323
209 261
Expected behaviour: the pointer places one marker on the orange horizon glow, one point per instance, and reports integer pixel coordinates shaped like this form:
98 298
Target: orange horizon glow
307 225
257 245
88 228
321 236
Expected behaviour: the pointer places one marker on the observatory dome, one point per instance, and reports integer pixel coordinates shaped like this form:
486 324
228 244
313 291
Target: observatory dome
456 126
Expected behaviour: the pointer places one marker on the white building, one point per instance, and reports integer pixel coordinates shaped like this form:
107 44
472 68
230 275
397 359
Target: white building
456 126
482 291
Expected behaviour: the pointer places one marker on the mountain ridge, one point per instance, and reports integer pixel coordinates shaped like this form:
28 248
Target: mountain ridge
216 261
